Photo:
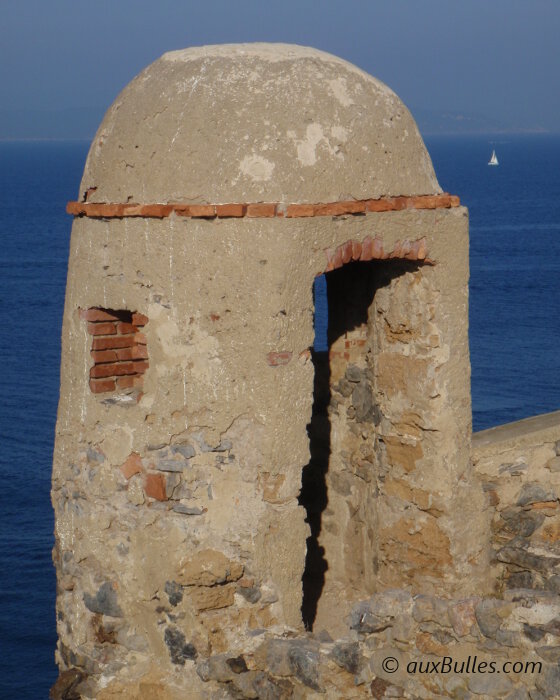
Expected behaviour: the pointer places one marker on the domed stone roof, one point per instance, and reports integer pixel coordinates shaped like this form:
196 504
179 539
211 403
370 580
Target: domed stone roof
256 123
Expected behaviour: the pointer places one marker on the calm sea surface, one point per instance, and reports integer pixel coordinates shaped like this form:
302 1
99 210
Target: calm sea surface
514 340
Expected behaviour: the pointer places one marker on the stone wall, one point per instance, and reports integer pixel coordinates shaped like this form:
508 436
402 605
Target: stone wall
519 464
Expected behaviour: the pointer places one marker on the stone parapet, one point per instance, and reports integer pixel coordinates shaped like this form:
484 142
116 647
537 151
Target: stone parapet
519 465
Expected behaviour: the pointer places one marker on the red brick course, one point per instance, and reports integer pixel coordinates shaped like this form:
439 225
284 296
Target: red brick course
258 210
119 351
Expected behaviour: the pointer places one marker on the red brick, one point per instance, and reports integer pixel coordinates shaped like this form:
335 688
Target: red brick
96 210
139 319
337 259
300 210
155 211
136 352
225 210
123 354
102 328
113 369
330 260
346 252
396 252
427 202
197 210
140 339
100 385
117 341
100 356
75 208
367 246
140 366
379 205
261 210
340 208
132 465
356 250
377 252
95 315
154 486
275 359
126 328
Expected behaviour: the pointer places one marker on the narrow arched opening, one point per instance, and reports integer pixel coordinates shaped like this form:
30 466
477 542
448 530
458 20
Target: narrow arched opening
340 483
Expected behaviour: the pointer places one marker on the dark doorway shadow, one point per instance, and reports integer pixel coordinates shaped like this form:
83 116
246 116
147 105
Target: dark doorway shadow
313 495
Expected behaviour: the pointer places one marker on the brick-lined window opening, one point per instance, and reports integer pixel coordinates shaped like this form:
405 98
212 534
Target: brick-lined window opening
119 350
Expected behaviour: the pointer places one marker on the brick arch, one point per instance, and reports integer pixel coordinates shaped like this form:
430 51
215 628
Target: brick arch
373 249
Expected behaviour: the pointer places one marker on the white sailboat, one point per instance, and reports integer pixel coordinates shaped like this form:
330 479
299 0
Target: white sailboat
493 159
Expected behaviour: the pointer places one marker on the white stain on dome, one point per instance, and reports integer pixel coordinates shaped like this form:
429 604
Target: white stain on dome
259 169
339 89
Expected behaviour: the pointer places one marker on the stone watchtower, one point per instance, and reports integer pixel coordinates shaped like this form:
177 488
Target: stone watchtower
216 481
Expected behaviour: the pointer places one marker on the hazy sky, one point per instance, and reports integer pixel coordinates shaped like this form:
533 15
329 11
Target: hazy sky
496 58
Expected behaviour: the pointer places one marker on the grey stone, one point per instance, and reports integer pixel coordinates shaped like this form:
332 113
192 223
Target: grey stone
341 482
344 387
535 634
179 649
104 601
224 446
521 579
95 455
549 653
256 684
171 482
186 451
553 583
188 510
237 664
379 612
534 493
298 657
429 608
520 556
518 694
215 668
513 469
304 663
354 374
362 401
487 617
548 682
347 656
171 465
534 694
522 523
251 595
493 684
174 591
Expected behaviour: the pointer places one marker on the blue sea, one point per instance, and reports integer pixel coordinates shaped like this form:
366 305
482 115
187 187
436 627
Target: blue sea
514 340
